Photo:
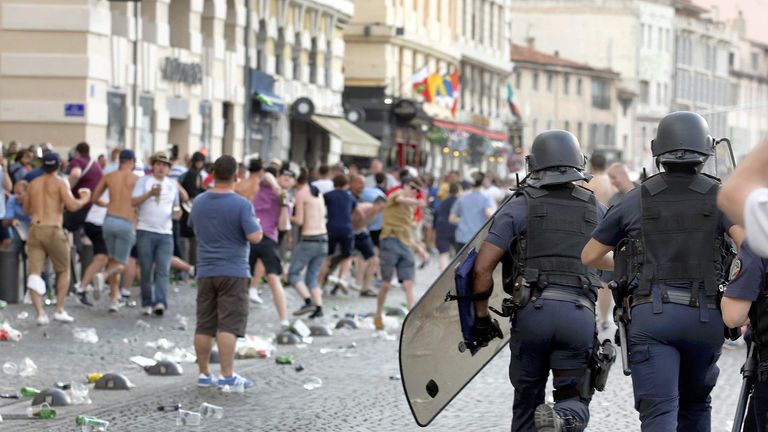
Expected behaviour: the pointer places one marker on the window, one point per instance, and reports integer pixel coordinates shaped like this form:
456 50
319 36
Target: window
566 84
665 94
329 64
567 125
549 124
658 93
578 87
754 61
261 47
296 56
550 81
313 61
518 79
535 127
535 80
579 130
601 96
644 90
661 39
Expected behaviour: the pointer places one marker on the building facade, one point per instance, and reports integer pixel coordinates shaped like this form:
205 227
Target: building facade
460 45
635 39
556 93
702 81
220 76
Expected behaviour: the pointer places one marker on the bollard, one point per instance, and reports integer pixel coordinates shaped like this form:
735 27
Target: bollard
9 277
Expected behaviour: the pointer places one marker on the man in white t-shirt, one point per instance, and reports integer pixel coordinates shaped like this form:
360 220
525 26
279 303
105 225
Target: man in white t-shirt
156 196
744 198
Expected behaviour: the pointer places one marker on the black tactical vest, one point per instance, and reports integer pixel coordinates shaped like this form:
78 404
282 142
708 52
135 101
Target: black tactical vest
679 234
560 222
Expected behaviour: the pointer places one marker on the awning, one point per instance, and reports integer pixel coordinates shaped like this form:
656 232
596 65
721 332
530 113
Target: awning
477 130
269 102
354 141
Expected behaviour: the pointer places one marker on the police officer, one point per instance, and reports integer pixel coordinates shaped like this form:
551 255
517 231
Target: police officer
676 330
746 301
538 235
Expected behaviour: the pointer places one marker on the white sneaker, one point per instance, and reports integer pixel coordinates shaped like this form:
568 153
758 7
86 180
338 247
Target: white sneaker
43 320
63 317
98 285
253 294
125 293
332 280
146 311
115 305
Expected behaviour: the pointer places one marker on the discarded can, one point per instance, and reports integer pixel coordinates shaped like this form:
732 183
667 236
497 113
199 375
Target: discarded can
284 360
188 418
93 377
209 410
29 391
94 423
43 412
174 407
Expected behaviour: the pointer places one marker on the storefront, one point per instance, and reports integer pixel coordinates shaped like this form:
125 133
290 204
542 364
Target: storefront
267 108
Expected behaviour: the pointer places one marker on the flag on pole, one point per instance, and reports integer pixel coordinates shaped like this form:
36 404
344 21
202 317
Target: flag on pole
419 83
513 108
456 91
435 86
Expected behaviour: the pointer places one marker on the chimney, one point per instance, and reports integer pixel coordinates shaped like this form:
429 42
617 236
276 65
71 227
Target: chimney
531 42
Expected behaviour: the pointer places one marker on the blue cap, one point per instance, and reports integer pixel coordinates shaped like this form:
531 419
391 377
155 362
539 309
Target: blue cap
51 162
127 155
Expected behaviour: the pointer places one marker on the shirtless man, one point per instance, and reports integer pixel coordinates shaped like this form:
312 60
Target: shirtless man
45 201
118 229
604 191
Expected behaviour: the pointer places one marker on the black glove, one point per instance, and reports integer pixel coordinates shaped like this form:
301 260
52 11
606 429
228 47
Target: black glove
485 330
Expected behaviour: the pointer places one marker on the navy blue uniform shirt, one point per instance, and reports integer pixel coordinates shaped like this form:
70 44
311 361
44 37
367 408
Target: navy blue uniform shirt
747 275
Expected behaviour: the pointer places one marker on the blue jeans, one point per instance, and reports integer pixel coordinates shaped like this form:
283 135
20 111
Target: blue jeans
154 249
309 255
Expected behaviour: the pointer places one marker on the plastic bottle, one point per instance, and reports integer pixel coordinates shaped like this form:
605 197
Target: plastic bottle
10 368
284 360
29 391
209 410
188 418
91 423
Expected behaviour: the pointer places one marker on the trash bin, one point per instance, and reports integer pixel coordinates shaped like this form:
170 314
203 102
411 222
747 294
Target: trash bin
9 277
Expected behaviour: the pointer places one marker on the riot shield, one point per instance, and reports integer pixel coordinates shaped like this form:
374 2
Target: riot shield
435 363
722 163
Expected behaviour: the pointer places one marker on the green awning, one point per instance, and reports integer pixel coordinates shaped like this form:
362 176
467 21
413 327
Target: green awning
354 141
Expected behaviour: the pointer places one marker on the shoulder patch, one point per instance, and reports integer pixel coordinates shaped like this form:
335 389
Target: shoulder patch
735 269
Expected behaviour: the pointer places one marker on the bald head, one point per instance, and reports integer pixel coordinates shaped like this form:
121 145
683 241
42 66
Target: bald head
619 175
356 184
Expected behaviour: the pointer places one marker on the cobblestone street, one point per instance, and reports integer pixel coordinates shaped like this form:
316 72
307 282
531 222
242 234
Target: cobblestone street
360 390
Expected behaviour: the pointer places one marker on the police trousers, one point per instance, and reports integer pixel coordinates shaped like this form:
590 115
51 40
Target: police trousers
549 334
673 356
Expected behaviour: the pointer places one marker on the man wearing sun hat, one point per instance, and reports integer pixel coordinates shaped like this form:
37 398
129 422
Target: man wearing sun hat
156 197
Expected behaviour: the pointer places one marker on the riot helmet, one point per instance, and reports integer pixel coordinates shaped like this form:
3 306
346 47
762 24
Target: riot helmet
682 138
555 158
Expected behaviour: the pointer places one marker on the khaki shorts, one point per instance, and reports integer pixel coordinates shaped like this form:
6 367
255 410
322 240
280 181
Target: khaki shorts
47 241
222 305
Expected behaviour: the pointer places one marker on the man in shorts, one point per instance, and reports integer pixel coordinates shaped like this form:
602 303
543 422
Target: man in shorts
118 230
222 272
45 201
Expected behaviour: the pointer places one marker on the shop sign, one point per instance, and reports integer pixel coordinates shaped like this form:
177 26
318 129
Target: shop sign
177 71
74 110
404 110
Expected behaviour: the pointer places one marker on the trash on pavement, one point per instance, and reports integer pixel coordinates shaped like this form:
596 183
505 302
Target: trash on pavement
10 395
284 360
93 377
299 367
3 304
91 423
27 367
237 388
164 368
142 361
29 391
300 329
22 315
85 335
381 334
395 377
10 368
395 311
161 344
78 394
210 410
8 333
312 383
42 411
178 355
182 323
113 381
168 408
142 325
188 418
253 346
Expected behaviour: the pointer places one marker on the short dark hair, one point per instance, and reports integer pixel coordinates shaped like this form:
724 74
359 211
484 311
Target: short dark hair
254 165
453 189
478 178
379 177
323 170
340 181
598 161
225 169
83 148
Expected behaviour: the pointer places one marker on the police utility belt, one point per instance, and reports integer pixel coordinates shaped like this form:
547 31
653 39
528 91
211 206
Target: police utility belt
672 295
569 295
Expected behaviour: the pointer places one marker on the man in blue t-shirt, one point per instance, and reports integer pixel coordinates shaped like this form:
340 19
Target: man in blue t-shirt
470 212
223 273
339 204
